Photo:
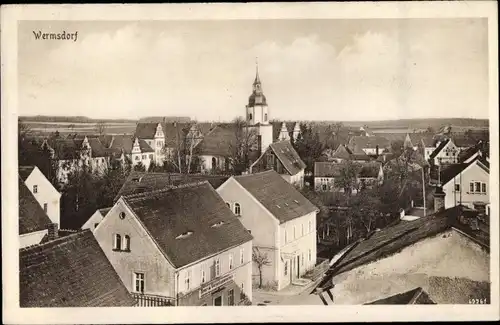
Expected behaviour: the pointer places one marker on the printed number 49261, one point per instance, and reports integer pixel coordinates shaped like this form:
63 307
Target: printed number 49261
476 301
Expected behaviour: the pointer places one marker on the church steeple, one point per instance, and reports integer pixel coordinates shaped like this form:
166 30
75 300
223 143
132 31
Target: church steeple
257 86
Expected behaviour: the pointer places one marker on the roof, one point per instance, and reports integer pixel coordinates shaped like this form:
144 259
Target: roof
71 271
138 182
327 169
416 296
452 170
366 142
342 152
32 218
436 151
25 171
65 149
104 211
278 196
277 128
98 149
145 147
287 155
196 208
464 141
369 170
146 130
482 148
218 142
122 142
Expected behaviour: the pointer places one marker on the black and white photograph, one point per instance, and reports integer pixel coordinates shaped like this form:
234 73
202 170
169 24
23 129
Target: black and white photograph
177 156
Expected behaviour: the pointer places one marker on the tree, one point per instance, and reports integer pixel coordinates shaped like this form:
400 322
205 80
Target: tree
308 146
348 177
244 142
140 167
184 157
260 259
365 208
100 128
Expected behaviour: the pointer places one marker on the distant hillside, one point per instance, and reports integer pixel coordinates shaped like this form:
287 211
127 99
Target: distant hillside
435 123
158 119
72 119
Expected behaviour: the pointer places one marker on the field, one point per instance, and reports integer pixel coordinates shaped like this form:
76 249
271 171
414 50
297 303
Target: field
112 128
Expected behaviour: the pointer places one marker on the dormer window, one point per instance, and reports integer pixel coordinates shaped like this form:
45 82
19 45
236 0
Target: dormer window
237 209
218 224
184 235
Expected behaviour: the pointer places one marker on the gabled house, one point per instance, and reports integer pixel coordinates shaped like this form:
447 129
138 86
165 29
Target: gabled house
371 145
343 153
285 131
180 245
466 184
71 271
134 150
446 152
138 182
43 191
445 253
217 149
95 219
282 222
34 224
481 149
325 173
284 159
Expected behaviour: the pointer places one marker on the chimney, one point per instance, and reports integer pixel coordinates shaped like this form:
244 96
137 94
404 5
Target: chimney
376 150
52 231
439 199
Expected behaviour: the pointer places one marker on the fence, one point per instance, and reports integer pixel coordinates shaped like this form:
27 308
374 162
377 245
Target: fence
144 300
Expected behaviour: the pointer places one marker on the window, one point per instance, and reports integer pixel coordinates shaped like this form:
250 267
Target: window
214 163
237 209
35 189
242 292
144 157
151 156
250 116
457 187
483 187
286 267
310 255
126 242
231 264
137 158
228 205
203 274
230 298
265 117
45 207
242 255
187 280
139 282
117 242
478 186
217 267
323 187
471 189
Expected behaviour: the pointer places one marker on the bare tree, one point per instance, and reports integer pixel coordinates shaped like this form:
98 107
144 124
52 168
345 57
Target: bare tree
184 156
348 178
100 128
244 142
261 259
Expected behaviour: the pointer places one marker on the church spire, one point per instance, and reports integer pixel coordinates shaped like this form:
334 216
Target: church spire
257 78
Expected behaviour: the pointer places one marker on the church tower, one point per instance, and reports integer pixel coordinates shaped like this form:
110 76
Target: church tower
257 114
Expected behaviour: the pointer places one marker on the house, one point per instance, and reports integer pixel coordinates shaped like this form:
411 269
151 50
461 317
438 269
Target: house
95 219
417 296
182 245
446 152
480 149
217 149
343 153
138 182
71 271
43 191
282 222
325 173
34 224
284 159
152 134
466 184
424 143
445 253
134 150
371 145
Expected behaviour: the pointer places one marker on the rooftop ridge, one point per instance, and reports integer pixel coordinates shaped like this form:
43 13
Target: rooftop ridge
175 173
166 189
254 174
55 242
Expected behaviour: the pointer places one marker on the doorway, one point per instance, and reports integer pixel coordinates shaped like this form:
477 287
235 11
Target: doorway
218 301
298 266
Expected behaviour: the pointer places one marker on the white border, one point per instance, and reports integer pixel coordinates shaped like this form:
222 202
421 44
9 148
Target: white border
9 18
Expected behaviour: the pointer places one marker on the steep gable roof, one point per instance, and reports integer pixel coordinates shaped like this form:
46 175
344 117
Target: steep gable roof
189 222
416 296
98 149
278 196
32 218
342 152
144 146
71 271
25 171
122 143
440 147
367 142
145 130
452 170
138 182
288 157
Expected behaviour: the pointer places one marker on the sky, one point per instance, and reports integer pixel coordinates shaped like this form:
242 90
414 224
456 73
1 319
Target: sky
335 69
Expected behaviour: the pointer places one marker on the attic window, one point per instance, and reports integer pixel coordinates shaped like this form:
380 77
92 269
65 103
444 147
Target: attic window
137 179
218 224
278 206
122 215
286 204
184 235
296 201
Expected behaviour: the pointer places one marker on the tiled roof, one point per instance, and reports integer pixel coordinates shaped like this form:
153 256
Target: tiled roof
66 149
25 171
174 132
71 271
416 296
482 148
138 182
145 147
122 142
278 196
145 130
452 170
327 169
436 151
98 149
369 170
287 155
193 210
342 152
364 142
31 215
463 141
218 142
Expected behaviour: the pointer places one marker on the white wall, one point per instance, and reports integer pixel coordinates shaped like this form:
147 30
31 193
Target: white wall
46 193
472 173
96 218
32 238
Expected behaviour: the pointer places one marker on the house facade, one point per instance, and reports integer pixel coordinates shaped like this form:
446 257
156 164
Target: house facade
153 135
281 221
446 152
43 191
132 149
180 244
325 173
466 184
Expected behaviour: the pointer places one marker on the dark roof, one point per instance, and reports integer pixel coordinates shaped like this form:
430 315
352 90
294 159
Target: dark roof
364 142
104 211
138 182
218 142
287 155
25 171
464 141
277 128
145 147
98 149
342 152
369 170
122 142
71 271
195 208
146 130
32 218
66 149
416 296
482 148
278 196
450 171
436 151
327 169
